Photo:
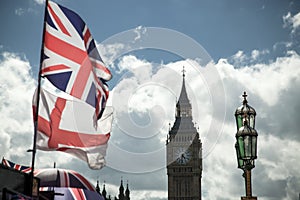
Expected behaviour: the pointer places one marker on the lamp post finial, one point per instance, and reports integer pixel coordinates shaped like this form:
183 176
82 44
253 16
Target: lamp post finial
245 98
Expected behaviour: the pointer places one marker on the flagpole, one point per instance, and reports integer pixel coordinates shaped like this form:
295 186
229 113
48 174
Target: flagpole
33 150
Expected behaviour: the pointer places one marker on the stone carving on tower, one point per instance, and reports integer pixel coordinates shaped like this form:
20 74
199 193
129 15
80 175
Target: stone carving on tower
184 153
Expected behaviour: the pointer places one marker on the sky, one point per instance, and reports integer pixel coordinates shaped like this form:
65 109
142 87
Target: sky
227 47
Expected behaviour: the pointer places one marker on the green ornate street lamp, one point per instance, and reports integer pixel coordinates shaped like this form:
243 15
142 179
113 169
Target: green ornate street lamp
246 143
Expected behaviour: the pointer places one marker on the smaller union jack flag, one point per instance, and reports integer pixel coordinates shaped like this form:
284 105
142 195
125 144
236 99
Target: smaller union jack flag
71 61
53 177
15 166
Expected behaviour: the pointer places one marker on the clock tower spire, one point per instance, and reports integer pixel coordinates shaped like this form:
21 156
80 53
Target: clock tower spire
183 106
184 151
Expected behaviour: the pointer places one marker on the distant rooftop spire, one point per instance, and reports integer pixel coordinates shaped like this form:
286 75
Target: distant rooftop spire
127 192
104 191
121 190
97 187
121 186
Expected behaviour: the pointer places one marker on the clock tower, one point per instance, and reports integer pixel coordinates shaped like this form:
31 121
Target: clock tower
184 153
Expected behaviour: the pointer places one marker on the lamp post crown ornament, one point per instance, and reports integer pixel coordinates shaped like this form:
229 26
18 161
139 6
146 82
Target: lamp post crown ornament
245 112
245 108
245 98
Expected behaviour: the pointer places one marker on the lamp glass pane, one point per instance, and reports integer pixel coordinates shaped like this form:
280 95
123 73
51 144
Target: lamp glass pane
251 121
248 149
239 160
237 151
254 146
240 163
241 147
239 121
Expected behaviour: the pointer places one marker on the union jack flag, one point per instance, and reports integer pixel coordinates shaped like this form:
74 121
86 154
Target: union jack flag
71 61
15 166
66 125
53 177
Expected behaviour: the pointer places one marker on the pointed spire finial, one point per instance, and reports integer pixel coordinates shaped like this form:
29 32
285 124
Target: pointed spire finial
183 72
104 191
127 192
97 187
121 186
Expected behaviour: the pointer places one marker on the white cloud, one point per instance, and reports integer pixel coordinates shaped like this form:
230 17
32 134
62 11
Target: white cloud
16 131
19 11
279 45
16 89
111 50
140 30
149 195
282 165
255 54
110 53
22 11
219 169
291 21
239 56
264 80
268 86
140 68
241 59
39 1
142 90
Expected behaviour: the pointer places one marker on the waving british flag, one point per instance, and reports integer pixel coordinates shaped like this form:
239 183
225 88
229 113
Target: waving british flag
15 166
65 125
71 61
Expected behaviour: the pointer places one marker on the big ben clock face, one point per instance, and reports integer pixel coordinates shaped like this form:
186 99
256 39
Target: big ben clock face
182 155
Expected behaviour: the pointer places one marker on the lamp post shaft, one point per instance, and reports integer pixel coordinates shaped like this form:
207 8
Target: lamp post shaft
247 174
248 183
